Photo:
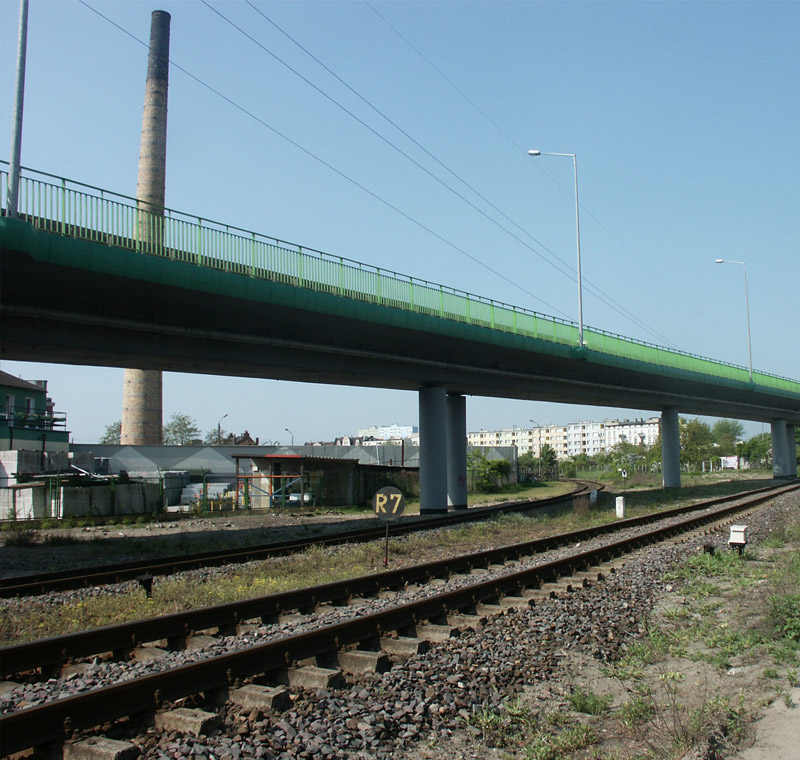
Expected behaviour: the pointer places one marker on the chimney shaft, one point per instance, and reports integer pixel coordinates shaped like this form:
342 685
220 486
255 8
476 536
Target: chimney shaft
141 403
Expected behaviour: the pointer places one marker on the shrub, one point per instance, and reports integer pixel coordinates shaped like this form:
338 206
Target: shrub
22 537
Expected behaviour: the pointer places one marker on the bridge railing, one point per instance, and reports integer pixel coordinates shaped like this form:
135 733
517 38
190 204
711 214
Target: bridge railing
73 209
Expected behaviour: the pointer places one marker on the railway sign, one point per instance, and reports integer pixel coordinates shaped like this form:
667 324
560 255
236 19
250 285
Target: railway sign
388 503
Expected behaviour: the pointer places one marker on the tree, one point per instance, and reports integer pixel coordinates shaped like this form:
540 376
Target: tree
726 434
112 435
181 430
757 450
697 442
486 473
548 459
216 436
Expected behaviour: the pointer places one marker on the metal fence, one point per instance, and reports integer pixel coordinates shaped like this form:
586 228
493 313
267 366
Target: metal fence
73 209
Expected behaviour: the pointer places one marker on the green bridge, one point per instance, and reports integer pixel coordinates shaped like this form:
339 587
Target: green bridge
72 209
92 277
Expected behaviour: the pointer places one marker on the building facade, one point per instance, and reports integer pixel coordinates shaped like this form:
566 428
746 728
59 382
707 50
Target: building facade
639 432
585 437
28 420
388 432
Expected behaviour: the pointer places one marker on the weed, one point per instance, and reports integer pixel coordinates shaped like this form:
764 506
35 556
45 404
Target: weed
501 728
558 718
21 537
588 702
676 613
553 746
490 724
784 612
770 673
635 711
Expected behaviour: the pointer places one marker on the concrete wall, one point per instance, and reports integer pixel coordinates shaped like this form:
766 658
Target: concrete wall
13 462
24 503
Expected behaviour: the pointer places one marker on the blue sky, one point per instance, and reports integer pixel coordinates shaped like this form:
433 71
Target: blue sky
683 115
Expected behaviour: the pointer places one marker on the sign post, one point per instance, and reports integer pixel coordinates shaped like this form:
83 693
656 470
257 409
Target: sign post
388 503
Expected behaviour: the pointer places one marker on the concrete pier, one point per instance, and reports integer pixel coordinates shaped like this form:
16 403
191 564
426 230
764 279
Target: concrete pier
780 450
432 450
670 448
792 446
456 451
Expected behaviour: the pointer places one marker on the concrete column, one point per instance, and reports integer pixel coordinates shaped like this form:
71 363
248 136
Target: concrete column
780 451
670 448
792 446
432 450
456 451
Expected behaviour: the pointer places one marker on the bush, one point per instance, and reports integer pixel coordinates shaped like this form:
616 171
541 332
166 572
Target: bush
22 537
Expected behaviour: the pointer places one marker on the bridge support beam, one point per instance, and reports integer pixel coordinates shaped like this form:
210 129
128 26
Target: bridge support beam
670 448
433 430
780 450
792 446
456 451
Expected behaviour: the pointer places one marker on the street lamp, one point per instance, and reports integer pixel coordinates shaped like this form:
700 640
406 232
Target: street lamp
535 152
747 310
291 434
219 429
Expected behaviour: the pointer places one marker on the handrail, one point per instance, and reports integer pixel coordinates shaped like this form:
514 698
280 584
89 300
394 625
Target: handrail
75 209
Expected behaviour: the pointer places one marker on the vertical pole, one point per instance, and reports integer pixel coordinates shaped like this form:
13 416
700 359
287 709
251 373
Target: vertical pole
432 450
670 448
747 309
456 451
578 236
16 135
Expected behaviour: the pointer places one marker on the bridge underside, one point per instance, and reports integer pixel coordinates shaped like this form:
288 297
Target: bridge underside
74 302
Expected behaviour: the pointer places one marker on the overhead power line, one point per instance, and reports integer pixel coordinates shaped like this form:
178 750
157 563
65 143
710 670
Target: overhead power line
325 163
541 168
597 292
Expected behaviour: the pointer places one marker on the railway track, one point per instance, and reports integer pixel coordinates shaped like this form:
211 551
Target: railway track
42 583
356 644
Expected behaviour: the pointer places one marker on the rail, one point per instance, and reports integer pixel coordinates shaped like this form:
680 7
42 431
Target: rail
74 209
57 720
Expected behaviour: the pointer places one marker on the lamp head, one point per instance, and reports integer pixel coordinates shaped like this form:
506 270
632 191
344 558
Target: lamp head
534 152
719 261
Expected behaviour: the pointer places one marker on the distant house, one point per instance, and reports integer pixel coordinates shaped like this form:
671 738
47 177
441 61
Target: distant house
245 439
28 420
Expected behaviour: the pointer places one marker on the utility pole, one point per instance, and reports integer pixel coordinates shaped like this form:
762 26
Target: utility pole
12 199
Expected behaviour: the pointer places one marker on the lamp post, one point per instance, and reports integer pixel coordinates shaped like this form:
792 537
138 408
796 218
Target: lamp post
747 310
535 152
219 429
291 434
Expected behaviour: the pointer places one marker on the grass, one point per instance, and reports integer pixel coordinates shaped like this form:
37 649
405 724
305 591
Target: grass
550 746
516 727
588 702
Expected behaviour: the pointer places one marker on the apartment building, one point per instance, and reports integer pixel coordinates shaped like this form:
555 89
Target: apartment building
388 432
585 437
637 432
525 439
